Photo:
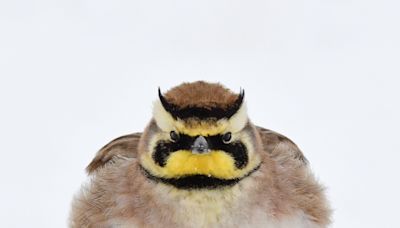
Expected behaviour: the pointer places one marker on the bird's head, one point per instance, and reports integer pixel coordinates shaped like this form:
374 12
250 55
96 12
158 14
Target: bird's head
199 137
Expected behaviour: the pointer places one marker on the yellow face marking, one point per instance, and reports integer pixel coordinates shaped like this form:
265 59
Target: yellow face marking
215 163
183 162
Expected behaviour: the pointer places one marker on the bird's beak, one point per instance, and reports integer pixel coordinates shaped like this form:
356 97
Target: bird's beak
200 145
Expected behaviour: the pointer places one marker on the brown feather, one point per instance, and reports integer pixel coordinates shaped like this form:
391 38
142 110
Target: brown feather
201 94
271 140
295 176
124 146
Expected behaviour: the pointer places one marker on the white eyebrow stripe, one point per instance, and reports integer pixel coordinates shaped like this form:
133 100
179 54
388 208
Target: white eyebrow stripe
164 119
239 120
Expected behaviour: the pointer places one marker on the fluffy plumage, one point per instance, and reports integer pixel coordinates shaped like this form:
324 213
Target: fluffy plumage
128 188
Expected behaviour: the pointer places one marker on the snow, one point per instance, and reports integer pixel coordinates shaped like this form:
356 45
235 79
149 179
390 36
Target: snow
76 74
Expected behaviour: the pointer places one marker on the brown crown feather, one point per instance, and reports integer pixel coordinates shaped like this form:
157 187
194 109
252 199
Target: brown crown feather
201 94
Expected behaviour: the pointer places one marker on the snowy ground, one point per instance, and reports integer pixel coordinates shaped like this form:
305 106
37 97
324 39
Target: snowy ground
75 74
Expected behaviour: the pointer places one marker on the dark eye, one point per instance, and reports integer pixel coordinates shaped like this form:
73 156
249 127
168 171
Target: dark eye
227 137
174 136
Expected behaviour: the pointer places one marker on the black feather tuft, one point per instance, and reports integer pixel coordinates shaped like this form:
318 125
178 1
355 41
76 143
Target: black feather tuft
196 182
200 112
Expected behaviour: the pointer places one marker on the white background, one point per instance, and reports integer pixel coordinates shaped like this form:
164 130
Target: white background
77 73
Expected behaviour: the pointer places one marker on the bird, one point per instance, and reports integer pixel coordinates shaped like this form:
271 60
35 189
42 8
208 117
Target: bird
201 162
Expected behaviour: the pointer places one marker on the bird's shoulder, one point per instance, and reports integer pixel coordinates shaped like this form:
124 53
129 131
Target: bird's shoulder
281 148
122 147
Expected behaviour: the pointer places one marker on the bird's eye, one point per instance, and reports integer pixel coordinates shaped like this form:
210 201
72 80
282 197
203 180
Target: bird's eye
227 137
174 136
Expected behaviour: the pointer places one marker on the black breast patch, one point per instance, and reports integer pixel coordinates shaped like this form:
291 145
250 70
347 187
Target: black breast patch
194 182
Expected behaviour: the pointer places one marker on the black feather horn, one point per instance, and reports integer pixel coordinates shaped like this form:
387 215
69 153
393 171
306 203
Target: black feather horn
200 112
169 107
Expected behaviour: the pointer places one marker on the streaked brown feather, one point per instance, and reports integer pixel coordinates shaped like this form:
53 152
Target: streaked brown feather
271 140
124 146
304 190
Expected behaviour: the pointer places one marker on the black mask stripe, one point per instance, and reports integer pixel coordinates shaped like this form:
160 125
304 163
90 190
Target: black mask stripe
236 149
197 181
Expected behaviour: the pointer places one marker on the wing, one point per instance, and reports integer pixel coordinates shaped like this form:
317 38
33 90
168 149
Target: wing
124 146
281 149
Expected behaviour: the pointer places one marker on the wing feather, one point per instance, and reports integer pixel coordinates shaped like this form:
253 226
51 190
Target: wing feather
124 146
281 148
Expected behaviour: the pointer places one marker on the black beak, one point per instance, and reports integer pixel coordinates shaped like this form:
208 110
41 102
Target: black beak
200 145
